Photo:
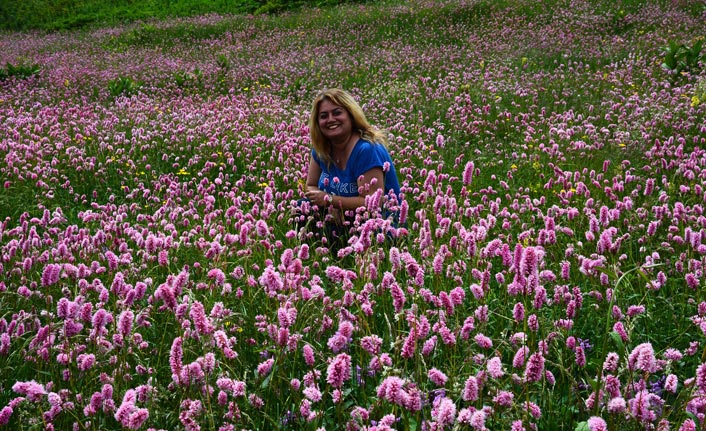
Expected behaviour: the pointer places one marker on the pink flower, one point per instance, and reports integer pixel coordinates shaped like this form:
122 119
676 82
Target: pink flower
643 358
672 355
444 413
580 356
125 322
478 420
176 355
617 405
612 385
308 353
50 275
620 329
611 362
533 409
201 321
535 367
468 327
519 359
701 377
518 312
217 275
339 370
265 367
641 406
468 173
504 398
163 258
33 390
470 389
312 393
483 341
392 389
495 367
429 346
437 377
596 423
85 361
688 425
137 418
670 383
398 297
5 415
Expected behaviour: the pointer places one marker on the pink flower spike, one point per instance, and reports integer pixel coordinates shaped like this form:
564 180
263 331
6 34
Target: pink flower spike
596 423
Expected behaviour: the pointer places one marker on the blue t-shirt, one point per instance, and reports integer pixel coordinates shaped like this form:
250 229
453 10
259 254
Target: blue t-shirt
364 157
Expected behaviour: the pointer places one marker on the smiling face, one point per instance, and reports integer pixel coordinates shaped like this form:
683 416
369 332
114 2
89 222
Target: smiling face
334 121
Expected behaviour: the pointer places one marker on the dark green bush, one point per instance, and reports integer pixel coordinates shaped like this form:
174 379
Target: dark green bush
20 71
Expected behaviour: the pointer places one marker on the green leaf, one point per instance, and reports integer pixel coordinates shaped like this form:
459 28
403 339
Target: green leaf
582 426
618 341
412 422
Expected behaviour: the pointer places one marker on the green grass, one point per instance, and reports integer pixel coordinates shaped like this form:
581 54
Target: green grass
72 14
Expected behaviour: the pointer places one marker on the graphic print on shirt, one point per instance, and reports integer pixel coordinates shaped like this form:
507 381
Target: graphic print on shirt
335 186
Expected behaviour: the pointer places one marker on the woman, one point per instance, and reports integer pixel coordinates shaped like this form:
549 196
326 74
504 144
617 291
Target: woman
348 159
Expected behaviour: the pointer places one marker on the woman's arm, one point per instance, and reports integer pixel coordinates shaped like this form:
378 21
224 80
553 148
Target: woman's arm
368 183
317 196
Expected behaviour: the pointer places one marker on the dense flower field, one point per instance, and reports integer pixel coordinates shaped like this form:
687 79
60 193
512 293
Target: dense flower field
549 273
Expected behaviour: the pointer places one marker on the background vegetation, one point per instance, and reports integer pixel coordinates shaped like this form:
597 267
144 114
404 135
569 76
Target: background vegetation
72 14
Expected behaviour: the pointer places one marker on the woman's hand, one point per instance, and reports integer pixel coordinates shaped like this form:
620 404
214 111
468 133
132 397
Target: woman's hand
318 197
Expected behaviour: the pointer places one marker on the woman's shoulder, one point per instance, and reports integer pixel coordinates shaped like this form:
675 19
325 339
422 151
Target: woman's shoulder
364 145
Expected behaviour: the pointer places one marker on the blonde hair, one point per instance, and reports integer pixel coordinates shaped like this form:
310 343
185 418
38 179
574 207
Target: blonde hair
359 123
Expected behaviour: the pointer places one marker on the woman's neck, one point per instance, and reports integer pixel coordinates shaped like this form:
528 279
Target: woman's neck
341 149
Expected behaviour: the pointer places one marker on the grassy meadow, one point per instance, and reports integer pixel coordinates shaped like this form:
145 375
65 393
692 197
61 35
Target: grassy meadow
548 273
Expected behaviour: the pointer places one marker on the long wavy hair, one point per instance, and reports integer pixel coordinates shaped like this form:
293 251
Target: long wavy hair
359 123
